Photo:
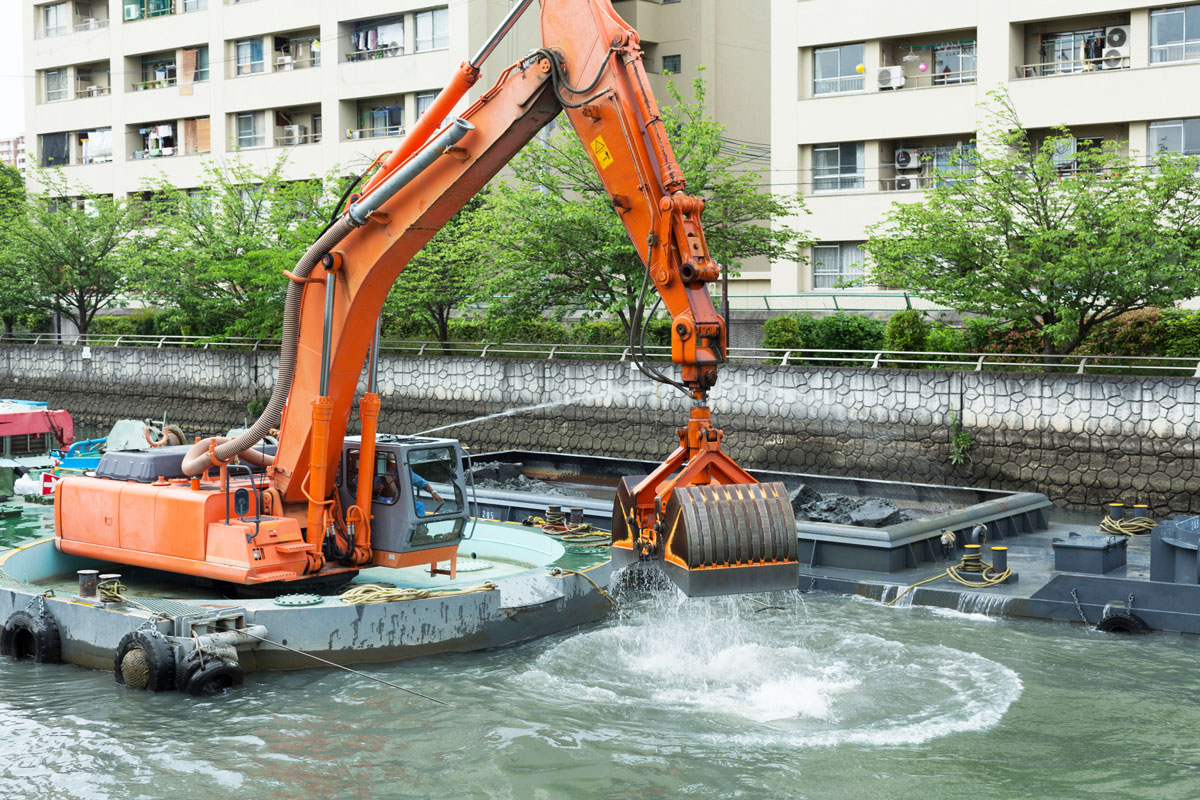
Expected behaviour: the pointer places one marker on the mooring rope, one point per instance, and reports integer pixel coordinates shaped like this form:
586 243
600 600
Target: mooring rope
972 563
1133 526
369 594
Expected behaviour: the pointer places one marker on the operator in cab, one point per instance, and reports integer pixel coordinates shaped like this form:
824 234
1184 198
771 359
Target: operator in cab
387 485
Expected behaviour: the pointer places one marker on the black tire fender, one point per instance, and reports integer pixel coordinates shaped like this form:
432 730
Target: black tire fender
159 657
32 636
1124 622
215 678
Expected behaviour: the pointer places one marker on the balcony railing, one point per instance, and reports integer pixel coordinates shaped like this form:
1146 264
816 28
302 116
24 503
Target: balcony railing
85 90
51 31
927 79
286 63
381 52
247 142
842 85
295 141
375 133
153 152
91 25
1072 67
162 83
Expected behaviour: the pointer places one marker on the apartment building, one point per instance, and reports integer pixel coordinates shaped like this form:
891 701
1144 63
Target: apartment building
12 152
864 103
128 90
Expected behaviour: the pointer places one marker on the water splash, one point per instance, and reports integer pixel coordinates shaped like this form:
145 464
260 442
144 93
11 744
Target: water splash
988 605
729 673
891 591
510 412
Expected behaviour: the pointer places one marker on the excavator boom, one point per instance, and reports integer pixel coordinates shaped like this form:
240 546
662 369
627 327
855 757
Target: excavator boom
699 515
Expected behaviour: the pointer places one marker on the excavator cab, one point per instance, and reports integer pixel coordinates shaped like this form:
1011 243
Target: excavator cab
418 498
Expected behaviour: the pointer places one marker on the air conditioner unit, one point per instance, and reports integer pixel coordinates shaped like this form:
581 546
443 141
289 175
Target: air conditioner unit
891 78
133 12
909 159
1116 47
294 134
907 183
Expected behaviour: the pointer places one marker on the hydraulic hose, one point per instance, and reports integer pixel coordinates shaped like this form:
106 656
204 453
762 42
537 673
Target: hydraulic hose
198 461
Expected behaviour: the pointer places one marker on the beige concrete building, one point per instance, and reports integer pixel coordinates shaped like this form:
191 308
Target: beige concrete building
12 152
863 102
129 90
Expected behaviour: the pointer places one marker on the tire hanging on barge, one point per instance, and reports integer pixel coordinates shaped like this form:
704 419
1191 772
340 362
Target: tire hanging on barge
32 636
145 661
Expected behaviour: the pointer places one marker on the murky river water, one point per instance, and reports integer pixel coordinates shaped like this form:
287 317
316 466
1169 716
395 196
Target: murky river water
830 697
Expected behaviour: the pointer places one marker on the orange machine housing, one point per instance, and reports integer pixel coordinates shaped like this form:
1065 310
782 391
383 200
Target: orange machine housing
175 527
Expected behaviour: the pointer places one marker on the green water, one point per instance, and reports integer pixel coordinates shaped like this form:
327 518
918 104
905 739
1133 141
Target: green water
831 697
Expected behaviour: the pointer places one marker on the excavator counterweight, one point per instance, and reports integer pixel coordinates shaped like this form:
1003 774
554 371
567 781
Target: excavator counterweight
710 525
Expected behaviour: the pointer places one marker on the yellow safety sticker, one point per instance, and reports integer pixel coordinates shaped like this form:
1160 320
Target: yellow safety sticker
600 149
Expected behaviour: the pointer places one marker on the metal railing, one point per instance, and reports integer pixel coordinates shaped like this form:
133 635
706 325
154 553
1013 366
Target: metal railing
158 83
295 141
928 79
287 63
91 24
379 52
1046 69
864 359
374 133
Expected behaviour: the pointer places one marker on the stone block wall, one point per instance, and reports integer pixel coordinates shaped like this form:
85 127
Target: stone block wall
1084 440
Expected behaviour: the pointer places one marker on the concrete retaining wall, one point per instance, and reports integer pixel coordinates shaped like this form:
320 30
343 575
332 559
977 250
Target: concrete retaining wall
1084 440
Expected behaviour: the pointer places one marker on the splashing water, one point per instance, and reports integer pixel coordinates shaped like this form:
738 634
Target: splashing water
728 671
510 412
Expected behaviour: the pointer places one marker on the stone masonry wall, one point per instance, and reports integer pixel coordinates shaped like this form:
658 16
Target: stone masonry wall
1084 440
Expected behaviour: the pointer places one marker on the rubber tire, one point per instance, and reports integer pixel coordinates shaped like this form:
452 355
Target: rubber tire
215 678
41 628
1124 622
159 655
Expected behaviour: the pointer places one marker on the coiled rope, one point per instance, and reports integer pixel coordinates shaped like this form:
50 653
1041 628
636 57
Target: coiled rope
972 562
1131 526
369 594
580 538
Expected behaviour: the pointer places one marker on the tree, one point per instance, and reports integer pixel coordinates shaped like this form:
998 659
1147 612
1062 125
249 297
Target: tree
15 294
221 249
442 276
77 249
1016 231
559 244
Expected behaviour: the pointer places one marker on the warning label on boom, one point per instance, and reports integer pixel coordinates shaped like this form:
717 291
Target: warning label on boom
600 149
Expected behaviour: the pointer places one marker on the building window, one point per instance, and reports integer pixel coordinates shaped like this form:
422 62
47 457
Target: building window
424 102
1175 34
672 64
1066 52
54 20
202 72
249 56
837 263
954 63
433 30
157 71
143 9
96 147
155 141
56 149
194 5
247 131
380 117
377 38
838 167
836 69
56 85
1175 136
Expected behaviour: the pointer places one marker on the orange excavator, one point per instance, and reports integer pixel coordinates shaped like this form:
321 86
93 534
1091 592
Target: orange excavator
312 511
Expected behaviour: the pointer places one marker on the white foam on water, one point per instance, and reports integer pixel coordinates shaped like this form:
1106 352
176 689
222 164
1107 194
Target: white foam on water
966 616
774 678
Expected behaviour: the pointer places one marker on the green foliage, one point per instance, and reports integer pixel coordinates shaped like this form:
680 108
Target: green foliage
559 245
441 277
842 331
960 442
1138 333
75 252
15 293
146 322
1182 334
1042 250
944 339
783 333
220 251
906 332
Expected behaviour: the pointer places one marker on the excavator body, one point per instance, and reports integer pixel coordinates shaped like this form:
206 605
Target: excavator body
703 518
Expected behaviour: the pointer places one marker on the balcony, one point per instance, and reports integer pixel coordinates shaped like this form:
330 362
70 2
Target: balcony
946 59
134 10
1076 46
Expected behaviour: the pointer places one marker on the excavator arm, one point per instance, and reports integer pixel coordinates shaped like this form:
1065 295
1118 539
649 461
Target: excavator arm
699 513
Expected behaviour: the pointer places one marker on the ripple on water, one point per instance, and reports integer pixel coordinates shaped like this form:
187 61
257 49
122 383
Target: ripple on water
774 679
